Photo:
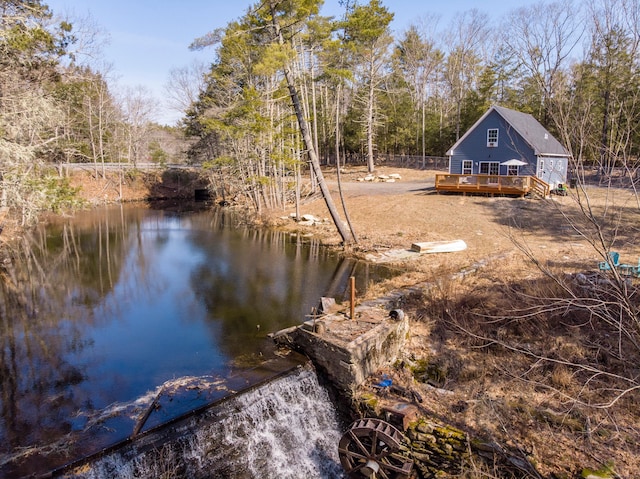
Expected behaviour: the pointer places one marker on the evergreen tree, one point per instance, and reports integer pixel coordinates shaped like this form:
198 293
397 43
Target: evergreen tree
368 36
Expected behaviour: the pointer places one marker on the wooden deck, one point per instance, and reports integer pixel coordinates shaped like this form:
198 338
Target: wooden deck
492 184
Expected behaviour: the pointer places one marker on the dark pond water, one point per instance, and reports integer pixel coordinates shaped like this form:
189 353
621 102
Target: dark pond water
104 311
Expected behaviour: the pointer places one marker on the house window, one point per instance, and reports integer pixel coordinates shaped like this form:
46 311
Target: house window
467 167
512 170
492 137
489 168
540 172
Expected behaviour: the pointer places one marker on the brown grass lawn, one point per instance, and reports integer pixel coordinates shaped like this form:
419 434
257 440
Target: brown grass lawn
395 215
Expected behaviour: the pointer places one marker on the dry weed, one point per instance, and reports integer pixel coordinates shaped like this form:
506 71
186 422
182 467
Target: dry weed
561 377
520 362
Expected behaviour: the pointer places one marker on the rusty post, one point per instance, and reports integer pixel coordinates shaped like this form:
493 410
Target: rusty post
353 296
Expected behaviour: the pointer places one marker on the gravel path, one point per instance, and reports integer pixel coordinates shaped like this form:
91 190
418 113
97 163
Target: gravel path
379 188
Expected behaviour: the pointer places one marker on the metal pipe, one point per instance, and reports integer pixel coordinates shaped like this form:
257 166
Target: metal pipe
353 296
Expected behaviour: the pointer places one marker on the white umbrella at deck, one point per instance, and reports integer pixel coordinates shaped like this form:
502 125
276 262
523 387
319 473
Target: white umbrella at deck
514 162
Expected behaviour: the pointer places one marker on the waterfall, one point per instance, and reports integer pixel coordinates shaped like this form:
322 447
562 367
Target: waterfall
286 428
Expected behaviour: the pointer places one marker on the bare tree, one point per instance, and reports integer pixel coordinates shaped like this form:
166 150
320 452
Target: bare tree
89 40
465 41
419 59
542 38
184 85
27 119
100 114
29 113
138 108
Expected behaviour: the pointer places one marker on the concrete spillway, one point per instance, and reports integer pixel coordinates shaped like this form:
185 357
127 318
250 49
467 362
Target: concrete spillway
285 428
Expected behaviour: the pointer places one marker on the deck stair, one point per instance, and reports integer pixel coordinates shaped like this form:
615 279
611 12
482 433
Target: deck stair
539 188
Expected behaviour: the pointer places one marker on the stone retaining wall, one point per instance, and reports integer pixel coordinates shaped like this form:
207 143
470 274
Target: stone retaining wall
348 350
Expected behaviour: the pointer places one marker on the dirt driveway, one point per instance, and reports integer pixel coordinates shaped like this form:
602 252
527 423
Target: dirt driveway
354 188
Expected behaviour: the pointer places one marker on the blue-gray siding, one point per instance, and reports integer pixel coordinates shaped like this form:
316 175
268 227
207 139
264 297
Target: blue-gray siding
511 145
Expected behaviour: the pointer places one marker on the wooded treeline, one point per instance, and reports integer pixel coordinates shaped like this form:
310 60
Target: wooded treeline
366 91
363 91
56 107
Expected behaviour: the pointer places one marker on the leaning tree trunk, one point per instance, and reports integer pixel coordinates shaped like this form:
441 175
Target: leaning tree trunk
308 141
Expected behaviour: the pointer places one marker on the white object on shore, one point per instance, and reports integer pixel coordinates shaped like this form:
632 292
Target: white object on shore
439 246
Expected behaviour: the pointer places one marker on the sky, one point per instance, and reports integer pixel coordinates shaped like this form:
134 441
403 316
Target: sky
149 38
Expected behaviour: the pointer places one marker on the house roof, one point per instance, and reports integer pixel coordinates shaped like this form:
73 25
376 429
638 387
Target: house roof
537 136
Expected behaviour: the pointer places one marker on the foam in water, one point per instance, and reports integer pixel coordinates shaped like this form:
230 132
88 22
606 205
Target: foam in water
287 428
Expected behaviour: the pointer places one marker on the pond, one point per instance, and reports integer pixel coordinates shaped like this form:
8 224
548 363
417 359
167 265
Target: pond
123 303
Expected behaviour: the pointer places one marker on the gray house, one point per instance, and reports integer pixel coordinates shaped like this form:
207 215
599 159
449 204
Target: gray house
506 142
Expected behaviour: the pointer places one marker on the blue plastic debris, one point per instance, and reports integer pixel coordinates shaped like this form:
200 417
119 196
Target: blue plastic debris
386 382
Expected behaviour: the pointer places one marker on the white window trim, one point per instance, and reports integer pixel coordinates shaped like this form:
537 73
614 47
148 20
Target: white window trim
492 140
467 170
540 172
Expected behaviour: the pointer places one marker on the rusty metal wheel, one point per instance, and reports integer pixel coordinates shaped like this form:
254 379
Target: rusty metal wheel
370 449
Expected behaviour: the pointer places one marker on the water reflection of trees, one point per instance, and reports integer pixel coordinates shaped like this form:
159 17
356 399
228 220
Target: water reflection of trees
73 277
47 281
264 280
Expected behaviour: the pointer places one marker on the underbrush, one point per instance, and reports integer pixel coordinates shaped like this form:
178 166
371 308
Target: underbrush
546 366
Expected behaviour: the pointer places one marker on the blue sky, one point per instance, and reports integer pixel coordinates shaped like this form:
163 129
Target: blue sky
148 38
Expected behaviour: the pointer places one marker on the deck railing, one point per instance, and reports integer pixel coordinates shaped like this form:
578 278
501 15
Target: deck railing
540 187
494 184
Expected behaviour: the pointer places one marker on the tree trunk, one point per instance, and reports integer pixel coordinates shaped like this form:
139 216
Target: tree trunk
605 166
344 206
370 120
308 141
